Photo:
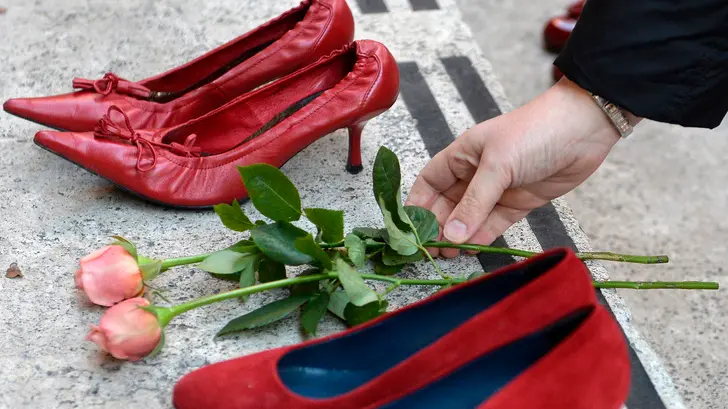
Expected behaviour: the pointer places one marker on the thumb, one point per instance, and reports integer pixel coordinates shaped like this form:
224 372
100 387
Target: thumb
481 196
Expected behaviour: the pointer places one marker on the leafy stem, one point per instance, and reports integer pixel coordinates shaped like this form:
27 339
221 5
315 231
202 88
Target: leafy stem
434 264
181 261
170 312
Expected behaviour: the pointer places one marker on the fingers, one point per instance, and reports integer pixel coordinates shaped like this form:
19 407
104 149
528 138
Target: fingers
499 220
434 178
481 196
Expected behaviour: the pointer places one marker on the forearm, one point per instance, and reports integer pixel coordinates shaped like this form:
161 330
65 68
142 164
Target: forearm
658 59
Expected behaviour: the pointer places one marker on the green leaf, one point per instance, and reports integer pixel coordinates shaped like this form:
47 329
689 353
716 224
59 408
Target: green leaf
329 222
392 258
245 246
358 291
271 192
424 221
314 311
356 248
247 274
404 243
264 315
387 179
271 270
226 262
151 269
308 288
383 269
277 242
358 315
369 233
232 216
307 245
127 245
337 303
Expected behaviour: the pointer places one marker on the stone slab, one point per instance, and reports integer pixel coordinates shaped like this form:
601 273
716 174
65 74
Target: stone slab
54 213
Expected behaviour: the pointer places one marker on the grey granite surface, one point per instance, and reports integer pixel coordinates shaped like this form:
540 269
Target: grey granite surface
53 213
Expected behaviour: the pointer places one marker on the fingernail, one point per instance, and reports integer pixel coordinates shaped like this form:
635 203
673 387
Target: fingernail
456 231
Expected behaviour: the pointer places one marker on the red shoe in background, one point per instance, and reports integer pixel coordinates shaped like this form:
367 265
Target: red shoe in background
195 164
556 73
558 29
405 350
557 32
275 49
574 9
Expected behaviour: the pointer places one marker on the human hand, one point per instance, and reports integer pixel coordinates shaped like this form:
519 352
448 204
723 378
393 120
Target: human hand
498 171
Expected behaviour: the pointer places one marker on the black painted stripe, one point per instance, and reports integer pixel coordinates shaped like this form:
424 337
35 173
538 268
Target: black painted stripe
372 6
471 87
418 5
492 262
545 221
423 107
436 134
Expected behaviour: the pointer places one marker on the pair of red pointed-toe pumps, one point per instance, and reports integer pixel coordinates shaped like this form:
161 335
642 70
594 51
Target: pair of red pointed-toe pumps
178 137
528 336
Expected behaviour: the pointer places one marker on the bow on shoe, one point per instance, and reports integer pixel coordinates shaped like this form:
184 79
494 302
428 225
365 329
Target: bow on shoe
111 82
107 128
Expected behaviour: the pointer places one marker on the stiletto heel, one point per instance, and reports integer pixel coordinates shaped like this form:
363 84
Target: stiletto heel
353 164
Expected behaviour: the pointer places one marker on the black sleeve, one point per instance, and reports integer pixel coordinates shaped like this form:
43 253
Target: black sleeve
665 60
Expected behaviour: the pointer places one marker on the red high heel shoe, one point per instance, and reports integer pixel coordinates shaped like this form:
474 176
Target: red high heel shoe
195 164
402 351
556 73
575 9
558 29
557 32
293 40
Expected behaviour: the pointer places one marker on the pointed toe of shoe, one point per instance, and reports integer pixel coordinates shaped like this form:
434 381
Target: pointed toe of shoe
20 107
55 141
78 111
72 146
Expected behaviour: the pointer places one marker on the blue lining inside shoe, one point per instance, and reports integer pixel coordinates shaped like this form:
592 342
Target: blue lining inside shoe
474 383
342 364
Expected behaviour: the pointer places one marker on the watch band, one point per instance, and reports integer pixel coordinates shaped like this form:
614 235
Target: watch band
615 115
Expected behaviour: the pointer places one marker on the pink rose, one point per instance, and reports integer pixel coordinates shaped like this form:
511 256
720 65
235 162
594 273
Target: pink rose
109 275
127 331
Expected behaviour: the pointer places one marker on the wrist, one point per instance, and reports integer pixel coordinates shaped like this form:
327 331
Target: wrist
589 116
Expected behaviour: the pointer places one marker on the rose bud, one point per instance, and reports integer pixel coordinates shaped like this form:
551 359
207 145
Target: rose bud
127 331
109 275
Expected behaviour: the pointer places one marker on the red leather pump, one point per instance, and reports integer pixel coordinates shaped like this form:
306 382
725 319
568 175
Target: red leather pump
383 360
558 29
575 8
195 164
277 48
557 32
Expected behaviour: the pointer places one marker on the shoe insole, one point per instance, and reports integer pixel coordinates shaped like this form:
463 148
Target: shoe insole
253 116
164 97
473 384
337 366
212 66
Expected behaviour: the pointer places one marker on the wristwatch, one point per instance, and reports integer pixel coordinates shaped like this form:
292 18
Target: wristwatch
615 114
